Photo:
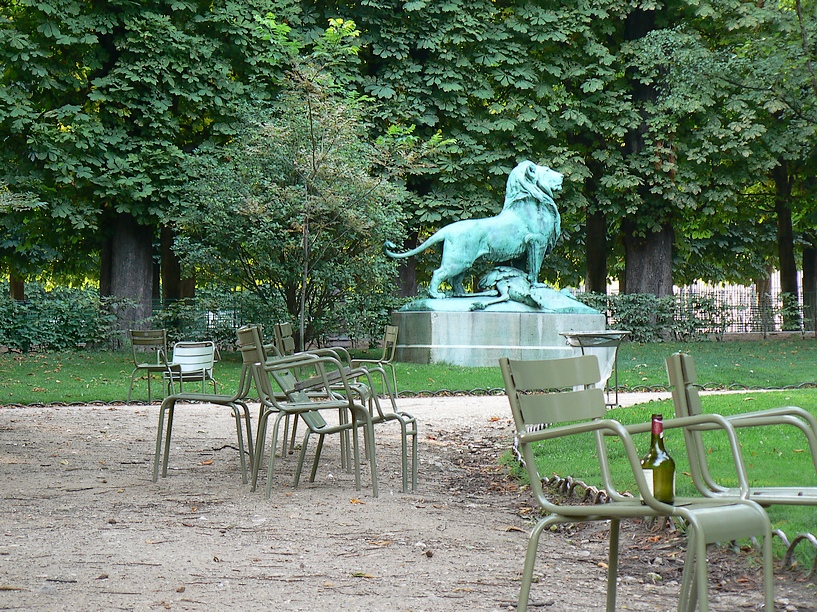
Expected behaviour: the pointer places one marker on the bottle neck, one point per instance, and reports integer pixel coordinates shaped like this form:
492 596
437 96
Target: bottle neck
658 433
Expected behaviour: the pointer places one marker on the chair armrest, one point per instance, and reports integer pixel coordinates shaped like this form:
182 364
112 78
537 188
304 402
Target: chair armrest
606 427
610 427
706 422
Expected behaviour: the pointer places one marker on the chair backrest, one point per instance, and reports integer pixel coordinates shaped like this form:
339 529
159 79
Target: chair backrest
284 342
251 346
194 357
683 378
542 391
549 392
148 339
389 343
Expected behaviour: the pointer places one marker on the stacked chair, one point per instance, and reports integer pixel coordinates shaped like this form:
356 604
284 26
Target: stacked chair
306 402
154 343
360 378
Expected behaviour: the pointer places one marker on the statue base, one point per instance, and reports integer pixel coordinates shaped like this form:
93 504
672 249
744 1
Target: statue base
481 337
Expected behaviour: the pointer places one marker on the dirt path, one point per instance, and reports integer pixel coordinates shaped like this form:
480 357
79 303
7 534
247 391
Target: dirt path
82 527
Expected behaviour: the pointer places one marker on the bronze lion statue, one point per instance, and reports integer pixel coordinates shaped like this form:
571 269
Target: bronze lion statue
528 224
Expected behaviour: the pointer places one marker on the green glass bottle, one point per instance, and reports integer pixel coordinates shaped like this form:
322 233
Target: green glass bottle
658 466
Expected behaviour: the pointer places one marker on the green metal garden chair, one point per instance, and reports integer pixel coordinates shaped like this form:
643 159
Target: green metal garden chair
308 406
541 392
234 402
359 379
154 343
683 378
192 362
386 360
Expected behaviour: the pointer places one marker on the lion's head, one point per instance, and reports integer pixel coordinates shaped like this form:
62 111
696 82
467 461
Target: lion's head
531 180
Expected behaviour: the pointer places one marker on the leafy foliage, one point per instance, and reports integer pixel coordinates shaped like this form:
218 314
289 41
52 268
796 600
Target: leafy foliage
100 103
57 320
296 209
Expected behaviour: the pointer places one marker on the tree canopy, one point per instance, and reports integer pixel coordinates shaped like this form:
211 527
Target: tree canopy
685 128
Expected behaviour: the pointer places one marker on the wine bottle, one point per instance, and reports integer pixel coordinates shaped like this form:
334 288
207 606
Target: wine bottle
658 466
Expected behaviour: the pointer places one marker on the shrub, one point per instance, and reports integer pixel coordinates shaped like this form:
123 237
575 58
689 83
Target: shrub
60 319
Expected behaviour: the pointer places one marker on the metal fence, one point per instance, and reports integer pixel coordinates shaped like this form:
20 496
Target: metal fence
743 309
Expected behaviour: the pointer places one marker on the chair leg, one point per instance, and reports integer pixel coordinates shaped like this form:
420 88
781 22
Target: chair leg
768 571
271 463
302 456
530 561
248 431
700 574
356 458
240 436
159 432
612 564
259 446
369 433
293 436
414 459
404 454
686 600
318 451
171 410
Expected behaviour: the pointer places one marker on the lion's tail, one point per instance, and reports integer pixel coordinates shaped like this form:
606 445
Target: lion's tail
388 247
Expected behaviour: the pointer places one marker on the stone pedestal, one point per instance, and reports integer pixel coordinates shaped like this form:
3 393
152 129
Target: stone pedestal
480 338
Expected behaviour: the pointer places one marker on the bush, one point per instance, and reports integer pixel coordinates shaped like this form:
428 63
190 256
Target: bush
60 319
685 317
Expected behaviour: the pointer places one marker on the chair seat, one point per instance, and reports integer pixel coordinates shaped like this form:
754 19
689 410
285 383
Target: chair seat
767 496
152 367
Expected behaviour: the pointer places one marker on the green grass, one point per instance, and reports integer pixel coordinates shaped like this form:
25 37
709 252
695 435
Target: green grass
775 455
70 377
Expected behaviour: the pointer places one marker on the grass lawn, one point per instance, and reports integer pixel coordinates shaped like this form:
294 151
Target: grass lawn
103 376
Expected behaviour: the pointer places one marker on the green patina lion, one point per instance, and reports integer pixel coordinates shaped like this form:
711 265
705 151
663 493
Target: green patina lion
528 224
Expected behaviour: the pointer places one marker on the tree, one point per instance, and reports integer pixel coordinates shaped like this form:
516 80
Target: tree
100 103
297 207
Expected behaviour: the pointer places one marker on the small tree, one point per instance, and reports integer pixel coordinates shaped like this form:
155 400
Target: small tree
297 207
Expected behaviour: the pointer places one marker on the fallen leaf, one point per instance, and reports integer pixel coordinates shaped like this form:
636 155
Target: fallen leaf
207 462
355 500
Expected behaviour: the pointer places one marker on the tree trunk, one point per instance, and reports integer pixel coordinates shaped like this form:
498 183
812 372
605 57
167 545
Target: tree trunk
763 321
127 269
810 284
596 252
648 261
174 287
785 245
17 287
407 270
